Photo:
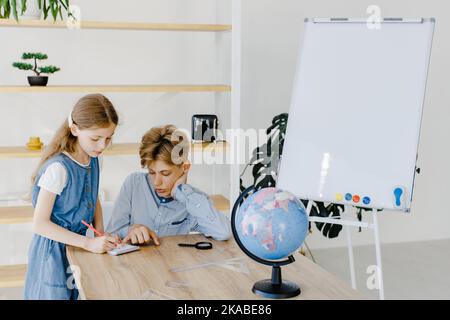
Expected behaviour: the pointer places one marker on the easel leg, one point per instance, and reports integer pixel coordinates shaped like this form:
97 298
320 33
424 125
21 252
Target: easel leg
350 256
378 254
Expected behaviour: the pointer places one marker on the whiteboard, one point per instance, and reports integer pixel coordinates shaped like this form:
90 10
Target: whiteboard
355 114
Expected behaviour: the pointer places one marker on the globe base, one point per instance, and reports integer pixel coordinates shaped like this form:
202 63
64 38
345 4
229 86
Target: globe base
268 289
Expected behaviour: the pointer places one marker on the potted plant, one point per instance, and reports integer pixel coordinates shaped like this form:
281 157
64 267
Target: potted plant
36 80
33 9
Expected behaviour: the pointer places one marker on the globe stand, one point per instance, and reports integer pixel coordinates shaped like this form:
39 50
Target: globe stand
275 288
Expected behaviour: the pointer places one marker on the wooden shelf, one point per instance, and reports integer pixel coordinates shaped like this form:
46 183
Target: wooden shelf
115 150
13 215
133 148
220 146
117 25
24 214
220 202
12 276
116 88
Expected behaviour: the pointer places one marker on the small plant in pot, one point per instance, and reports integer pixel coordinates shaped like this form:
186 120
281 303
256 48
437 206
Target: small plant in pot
36 80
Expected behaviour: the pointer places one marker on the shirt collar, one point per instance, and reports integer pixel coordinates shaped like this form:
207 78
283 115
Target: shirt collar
164 200
78 163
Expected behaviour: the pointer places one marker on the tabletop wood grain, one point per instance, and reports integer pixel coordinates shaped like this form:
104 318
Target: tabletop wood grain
172 272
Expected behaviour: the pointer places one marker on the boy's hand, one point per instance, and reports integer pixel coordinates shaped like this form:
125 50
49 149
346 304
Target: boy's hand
140 234
182 179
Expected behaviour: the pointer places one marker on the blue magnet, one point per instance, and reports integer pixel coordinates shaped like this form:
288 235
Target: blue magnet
398 196
348 197
366 200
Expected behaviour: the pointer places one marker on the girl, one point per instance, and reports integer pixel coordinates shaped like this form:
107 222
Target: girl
160 202
64 192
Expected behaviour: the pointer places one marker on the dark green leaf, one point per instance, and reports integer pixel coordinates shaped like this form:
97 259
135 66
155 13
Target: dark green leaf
24 6
65 4
22 66
54 10
48 69
46 8
34 55
6 9
14 9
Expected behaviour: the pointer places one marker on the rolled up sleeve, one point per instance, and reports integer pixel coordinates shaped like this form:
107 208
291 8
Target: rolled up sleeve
210 221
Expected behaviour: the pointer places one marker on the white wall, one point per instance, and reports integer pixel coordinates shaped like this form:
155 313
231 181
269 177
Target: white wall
272 34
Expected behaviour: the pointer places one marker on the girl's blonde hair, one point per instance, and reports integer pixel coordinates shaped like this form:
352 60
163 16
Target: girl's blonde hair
165 143
91 111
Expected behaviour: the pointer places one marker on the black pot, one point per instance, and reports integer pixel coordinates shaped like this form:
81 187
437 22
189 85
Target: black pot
38 81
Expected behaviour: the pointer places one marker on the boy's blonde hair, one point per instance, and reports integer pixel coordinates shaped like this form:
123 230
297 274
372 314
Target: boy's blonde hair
165 143
90 112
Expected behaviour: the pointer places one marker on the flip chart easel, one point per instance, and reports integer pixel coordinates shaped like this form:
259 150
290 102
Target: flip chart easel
355 117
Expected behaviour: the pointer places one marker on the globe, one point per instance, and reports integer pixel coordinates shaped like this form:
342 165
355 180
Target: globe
270 225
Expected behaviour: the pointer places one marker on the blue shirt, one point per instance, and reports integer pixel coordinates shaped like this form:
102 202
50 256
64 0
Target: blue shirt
189 210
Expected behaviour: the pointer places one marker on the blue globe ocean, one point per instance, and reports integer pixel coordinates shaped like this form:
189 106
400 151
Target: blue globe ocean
271 223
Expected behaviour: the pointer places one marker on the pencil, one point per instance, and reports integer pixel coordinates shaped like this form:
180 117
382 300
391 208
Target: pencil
92 228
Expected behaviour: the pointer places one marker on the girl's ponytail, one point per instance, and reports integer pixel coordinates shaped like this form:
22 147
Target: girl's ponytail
63 140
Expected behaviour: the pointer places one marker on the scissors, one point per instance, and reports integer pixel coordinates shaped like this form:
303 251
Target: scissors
199 245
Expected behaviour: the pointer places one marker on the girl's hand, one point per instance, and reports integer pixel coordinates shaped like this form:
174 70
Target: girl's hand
140 234
116 238
102 244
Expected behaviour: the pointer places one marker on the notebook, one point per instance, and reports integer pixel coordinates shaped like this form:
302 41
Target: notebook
123 249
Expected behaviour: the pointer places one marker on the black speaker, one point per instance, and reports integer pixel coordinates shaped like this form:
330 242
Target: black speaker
204 127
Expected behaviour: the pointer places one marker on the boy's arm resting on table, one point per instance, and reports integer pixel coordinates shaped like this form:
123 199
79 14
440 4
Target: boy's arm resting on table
120 220
43 226
211 222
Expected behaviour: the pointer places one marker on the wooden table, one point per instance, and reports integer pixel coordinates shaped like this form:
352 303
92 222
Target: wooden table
149 274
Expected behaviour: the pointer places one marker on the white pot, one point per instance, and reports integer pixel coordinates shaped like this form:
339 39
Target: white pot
32 13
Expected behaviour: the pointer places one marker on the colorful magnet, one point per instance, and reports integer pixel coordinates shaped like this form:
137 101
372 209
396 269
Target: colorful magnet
348 196
356 198
366 200
339 196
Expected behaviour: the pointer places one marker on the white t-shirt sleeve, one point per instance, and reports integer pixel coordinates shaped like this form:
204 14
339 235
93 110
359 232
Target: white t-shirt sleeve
54 179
